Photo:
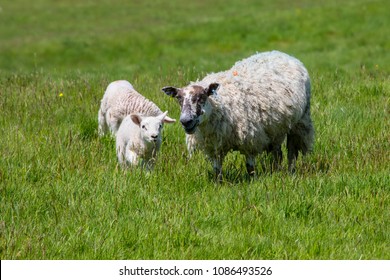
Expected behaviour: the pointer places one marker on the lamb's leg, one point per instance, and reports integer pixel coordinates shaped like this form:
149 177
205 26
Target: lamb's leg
250 165
131 156
113 122
102 127
120 151
148 164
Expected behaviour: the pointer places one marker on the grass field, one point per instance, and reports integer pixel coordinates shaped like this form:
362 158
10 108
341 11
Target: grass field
63 196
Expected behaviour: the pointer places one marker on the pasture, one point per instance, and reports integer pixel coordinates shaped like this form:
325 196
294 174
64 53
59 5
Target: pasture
63 195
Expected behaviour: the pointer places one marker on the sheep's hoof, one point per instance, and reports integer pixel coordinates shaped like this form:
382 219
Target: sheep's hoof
252 176
251 170
291 170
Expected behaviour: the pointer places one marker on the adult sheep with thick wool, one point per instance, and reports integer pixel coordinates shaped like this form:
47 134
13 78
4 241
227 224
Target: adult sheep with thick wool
120 100
250 108
138 139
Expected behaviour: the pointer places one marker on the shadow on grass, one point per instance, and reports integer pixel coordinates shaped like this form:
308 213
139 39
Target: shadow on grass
235 173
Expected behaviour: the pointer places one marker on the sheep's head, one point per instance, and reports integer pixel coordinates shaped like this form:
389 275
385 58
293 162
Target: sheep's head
151 127
193 102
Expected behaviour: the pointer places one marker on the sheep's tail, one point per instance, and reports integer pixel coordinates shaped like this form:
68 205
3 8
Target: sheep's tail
301 137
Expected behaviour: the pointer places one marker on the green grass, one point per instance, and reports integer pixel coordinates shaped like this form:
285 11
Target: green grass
63 196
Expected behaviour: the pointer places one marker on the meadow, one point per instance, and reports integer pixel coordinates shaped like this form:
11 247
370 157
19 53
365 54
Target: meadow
63 195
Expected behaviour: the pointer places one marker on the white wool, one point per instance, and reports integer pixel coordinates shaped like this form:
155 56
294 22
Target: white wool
121 99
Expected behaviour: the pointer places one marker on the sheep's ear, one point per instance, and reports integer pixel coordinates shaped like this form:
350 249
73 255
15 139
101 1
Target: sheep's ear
212 89
171 91
136 119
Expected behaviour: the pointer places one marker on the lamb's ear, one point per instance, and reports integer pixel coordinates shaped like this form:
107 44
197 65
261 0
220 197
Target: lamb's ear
137 119
164 118
171 91
212 89
167 119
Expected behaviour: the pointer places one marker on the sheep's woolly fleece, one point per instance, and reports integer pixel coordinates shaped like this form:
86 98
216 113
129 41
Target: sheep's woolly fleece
259 101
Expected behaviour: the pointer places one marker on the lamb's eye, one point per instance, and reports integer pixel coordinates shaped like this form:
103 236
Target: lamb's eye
143 127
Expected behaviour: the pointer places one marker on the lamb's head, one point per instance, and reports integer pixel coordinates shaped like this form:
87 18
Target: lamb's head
193 100
151 127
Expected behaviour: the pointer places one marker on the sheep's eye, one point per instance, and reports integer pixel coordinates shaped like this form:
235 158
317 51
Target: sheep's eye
179 98
160 126
143 127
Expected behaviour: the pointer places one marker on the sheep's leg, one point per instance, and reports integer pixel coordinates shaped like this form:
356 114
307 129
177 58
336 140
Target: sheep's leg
250 165
217 166
292 152
277 155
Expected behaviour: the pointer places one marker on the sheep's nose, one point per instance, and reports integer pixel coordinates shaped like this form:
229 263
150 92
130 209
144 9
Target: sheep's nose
186 121
154 137
189 124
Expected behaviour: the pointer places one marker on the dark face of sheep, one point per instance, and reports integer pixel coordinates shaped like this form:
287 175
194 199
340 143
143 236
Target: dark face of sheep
193 103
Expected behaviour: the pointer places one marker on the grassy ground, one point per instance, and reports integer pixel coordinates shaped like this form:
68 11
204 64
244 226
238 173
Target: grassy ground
63 196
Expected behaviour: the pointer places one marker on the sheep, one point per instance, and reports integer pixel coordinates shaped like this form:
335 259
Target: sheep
139 139
249 108
119 100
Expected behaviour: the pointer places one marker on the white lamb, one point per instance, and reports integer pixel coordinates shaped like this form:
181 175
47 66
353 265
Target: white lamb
121 99
139 139
249 108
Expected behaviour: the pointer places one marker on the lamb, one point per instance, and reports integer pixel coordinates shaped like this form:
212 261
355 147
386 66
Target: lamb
121 99
139 139
250 108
